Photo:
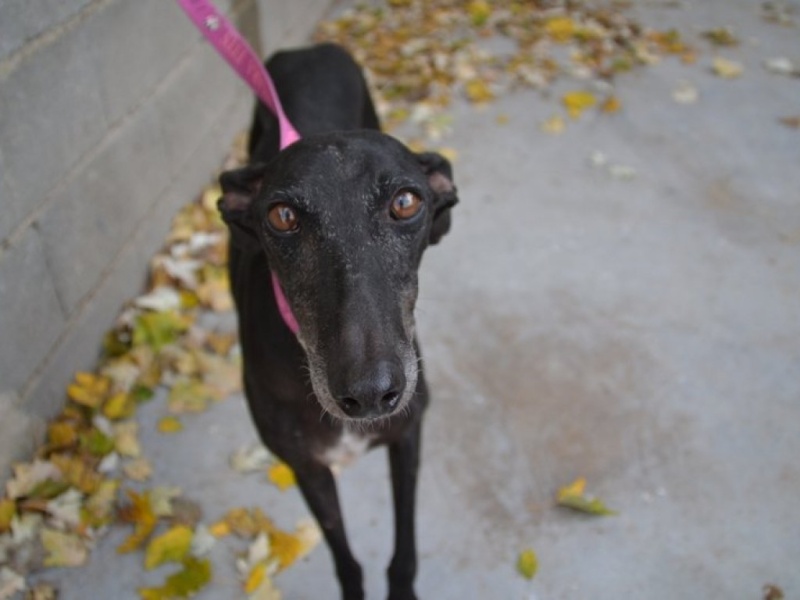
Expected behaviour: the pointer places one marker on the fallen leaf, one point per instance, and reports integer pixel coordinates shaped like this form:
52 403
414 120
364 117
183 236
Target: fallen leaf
527 564
41 591
478 91
288 548
169 424
171 546
772 592
96 443
138 469
126 439
119 406
160 299
63 549
99 507
77 472
66 508
721 36
782 66
573 496
560 29
792 122
62 434
194 576
189 395
157 329
250 458
281 475
28 475
8 510
479 12
578 101
89 389
161 498
139 512
11 582
726 69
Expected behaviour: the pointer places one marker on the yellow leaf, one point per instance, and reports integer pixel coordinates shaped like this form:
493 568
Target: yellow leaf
576 488
288 547
194 576
169 425
63 549
281 475
220 529
62 434
89 389
478 91
8 509
527 564
214 291
479 12
77 473
140 513
241 522
561 29
119 406
255 578
578 101
573 496
171 546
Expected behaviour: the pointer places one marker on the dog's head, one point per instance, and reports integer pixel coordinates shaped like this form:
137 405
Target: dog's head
344 219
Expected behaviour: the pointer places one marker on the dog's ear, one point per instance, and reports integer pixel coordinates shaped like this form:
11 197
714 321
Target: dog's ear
239 188
440 180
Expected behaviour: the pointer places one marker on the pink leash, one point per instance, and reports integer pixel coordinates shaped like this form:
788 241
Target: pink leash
239 55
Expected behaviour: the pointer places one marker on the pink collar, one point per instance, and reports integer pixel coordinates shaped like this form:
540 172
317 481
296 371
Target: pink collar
239 55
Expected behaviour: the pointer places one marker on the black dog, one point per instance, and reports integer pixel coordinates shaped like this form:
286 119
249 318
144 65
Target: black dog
342 218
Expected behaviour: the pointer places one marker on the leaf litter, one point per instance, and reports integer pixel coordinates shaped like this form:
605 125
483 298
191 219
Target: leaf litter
418 56
87 477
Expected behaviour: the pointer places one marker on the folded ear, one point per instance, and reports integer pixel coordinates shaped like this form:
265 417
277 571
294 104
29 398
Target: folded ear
239 189
440 179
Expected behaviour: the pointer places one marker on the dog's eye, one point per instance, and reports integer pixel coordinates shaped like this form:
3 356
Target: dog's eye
405 205
283 219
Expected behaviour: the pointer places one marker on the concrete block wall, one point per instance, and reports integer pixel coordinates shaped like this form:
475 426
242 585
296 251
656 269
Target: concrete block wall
113 114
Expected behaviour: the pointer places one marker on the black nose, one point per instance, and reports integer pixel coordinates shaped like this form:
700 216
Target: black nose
373 394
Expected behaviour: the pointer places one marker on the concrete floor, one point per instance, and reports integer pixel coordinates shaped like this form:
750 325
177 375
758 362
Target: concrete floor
642 333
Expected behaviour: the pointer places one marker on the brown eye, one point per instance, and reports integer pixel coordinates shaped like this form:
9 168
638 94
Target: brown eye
283 219
405 205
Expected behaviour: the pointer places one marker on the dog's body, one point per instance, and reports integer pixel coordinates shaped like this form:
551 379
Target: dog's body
341 218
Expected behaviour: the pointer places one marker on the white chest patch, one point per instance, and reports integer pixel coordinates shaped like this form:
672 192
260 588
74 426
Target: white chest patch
348 448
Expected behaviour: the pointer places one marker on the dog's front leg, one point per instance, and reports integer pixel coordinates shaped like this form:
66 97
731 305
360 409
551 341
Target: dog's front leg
404 464
319 490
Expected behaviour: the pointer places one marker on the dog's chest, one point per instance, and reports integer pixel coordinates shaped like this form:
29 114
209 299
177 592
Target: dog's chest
348 447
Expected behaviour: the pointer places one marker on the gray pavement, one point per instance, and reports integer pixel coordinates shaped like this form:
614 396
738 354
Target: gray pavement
643 333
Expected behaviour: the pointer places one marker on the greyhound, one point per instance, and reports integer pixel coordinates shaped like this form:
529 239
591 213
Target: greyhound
338 221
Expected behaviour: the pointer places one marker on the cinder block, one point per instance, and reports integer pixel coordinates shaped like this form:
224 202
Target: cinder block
11 211
189 103
30 318
94 213
22 20
136 45
51 114
82 344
